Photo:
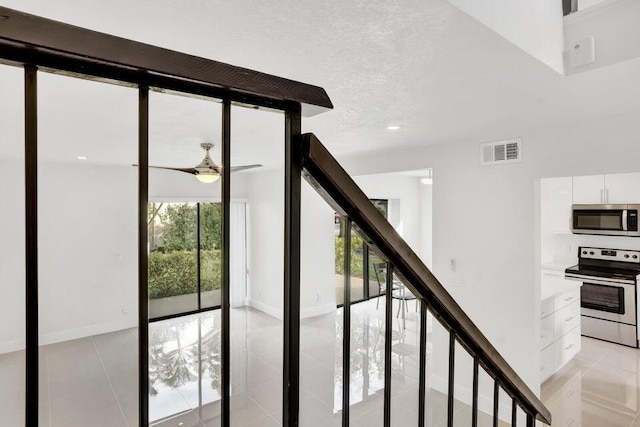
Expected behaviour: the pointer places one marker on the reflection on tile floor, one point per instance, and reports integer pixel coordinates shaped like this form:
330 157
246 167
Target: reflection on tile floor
599 387
93 381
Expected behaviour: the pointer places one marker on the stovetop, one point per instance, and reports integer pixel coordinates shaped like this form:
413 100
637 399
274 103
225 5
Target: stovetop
605 263
603 272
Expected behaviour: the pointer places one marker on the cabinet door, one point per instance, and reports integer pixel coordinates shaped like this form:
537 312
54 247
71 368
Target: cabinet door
588 189
622 188
555 205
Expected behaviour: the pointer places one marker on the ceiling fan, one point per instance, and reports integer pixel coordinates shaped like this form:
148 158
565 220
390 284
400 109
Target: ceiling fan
207 171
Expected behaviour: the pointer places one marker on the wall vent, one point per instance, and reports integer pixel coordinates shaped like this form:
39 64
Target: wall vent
501 152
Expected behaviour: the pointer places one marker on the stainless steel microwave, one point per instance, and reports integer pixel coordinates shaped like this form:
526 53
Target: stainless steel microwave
612 220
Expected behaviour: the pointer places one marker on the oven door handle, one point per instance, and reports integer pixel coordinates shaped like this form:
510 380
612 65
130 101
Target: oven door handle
591 279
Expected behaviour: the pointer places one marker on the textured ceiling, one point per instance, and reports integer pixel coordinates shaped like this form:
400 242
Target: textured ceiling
424 65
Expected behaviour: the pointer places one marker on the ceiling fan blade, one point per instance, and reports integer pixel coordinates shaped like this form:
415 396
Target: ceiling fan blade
186 170
245 167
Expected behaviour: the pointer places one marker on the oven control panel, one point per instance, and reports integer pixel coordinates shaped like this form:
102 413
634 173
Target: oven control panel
610 254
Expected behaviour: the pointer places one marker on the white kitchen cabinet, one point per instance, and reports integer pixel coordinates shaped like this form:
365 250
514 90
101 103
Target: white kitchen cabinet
559 323
555 200
622 188
615 188
588 189
565 348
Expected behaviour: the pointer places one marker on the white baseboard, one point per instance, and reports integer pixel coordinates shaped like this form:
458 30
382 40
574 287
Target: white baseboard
271 311
465 395
71 334
318 310
278 314
11 346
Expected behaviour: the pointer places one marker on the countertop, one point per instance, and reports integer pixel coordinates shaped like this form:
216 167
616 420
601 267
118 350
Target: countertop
552 286
559 264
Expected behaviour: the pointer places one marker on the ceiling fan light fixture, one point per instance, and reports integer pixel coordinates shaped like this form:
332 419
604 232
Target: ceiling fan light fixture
208 177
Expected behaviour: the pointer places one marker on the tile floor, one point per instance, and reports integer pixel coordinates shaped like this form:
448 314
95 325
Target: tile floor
599 387
93 381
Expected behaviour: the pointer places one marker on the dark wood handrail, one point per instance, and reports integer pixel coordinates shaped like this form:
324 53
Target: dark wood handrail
30 39
326 175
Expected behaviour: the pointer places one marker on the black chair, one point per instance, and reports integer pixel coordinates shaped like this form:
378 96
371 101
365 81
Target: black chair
399 291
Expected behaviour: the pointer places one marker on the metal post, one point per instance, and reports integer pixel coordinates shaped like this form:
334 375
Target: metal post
292 200
474 409
225 367
496 397
514 413
530 420
388 330
422 386
452 367
198 262
31 242
143 257
346 324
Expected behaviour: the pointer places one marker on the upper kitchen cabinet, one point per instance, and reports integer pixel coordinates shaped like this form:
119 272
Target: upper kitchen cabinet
622 188
555 204
588 189
615 188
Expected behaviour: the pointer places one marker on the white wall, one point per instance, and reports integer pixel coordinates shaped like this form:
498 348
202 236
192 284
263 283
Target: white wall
404 189
266 247
87 251
613 24
533 26
486 217
12 274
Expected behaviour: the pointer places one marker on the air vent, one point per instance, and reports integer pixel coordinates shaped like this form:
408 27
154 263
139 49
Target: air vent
500 152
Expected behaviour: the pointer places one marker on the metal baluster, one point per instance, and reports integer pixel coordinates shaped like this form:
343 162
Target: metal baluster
388 330
452 366
514 414
496 397
423 364
474 409
346 324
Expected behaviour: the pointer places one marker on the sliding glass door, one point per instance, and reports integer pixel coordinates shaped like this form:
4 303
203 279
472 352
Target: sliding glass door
184 257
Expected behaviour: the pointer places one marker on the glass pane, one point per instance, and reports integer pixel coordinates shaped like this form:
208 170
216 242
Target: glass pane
210 254
12 249
376 281
184 185
256 266
357 267
321 327
339 241
173 258
88 262
405 356
184 374
437 368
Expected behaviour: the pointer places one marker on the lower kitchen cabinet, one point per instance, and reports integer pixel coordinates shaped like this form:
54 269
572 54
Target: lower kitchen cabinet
559 331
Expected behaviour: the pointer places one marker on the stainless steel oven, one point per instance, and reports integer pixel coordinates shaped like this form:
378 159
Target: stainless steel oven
608 296
615 220
605 300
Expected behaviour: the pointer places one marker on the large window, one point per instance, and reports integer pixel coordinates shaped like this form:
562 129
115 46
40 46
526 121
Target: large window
364 282
184 257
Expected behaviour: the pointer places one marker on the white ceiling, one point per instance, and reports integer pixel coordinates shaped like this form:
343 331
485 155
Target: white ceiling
424 65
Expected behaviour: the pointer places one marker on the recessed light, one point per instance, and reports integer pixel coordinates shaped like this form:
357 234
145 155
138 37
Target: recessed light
426 181
82 158
180 423
393 127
